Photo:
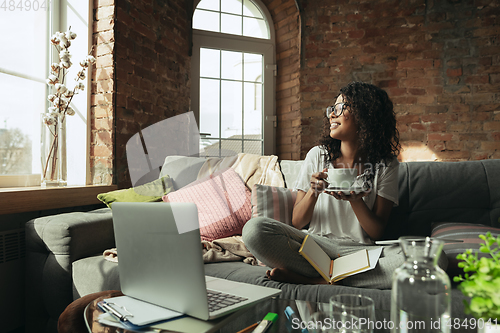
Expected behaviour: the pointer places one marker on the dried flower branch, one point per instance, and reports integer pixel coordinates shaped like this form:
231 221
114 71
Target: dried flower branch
60 96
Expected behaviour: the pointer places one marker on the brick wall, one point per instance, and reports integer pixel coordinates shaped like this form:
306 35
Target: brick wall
142 76
438 60
287 25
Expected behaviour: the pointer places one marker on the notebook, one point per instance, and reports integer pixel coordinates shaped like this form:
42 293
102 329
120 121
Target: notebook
160 266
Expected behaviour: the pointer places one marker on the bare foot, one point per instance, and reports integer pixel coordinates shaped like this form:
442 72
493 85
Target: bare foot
285 275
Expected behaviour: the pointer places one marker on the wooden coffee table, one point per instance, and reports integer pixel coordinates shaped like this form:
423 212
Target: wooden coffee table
234 323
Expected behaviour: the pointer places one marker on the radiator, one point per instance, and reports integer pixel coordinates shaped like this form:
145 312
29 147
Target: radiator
12 254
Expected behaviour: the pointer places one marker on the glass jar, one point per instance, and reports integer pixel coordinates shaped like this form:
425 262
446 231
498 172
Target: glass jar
421 290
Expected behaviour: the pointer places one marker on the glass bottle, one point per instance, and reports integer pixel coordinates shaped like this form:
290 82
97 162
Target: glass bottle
421 290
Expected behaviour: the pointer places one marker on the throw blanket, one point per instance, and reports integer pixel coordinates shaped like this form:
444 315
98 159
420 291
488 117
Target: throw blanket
227 249
223 249
215 164
254 169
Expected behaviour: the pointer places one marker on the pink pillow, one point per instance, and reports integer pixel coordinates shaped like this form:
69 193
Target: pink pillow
223 203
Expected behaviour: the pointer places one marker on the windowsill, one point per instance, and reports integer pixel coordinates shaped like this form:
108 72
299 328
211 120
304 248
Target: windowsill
27 199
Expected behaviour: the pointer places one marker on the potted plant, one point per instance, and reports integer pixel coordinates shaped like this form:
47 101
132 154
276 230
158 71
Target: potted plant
481 282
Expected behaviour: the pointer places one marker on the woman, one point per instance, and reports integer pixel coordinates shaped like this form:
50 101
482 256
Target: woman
360 133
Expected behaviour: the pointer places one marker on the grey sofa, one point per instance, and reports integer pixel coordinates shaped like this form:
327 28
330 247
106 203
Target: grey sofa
64 252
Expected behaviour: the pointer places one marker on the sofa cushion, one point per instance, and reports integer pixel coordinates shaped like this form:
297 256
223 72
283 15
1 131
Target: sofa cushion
223 203
149 192
183 170
469 233
433 192
94 274
273 202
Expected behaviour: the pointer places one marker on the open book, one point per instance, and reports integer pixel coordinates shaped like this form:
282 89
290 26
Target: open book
333 270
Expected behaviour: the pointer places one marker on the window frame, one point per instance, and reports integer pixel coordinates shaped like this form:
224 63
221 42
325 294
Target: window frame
55 20
230 42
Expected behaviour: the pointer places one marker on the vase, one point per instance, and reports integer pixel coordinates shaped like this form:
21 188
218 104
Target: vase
53 154
421 290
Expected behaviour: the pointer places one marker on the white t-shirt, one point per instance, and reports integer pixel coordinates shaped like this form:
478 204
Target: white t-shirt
334 218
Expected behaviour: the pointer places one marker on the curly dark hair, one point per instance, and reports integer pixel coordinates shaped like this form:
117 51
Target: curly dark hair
374 114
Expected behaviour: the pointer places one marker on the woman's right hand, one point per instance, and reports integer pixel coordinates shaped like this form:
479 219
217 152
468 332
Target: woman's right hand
318 182
304 202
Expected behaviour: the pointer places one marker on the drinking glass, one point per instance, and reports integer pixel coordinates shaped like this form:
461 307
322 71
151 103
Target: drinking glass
359 306
333 322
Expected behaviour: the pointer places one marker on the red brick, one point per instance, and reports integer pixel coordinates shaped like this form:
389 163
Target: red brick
436 146
103 151
477 79
102 3
103 124
102 111
101 99
104 37
104 12
417 63
104 25
418 127
440 137
453 72
491 126
454 155
490 145
437 127
356 34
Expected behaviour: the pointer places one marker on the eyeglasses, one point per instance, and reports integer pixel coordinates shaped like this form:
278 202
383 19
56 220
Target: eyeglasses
337 110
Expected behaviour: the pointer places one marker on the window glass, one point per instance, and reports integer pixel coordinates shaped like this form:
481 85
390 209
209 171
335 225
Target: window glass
231 17
210 104
253 109
205 20
255 28
231 24
249 9
231 108
230 100
22 84
232 6
232 65
209 4
23 73
253 67
210 63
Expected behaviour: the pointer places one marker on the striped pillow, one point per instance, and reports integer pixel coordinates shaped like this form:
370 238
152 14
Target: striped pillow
273 202
469 233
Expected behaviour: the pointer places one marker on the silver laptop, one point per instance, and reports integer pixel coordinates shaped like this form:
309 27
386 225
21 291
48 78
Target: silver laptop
161 266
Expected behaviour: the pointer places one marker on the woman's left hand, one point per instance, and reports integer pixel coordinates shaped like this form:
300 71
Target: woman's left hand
352 196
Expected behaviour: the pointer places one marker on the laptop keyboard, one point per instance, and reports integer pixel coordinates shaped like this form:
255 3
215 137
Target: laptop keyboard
218 300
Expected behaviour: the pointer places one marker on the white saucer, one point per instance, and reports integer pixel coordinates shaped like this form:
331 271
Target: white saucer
345 190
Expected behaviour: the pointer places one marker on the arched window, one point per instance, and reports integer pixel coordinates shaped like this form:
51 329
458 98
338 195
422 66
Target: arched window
233 77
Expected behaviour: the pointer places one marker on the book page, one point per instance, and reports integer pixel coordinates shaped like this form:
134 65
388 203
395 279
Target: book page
350 264
316 257
373 256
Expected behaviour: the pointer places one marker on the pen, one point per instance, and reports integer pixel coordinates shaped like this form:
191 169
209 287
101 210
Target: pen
109 309
292 316
249 328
